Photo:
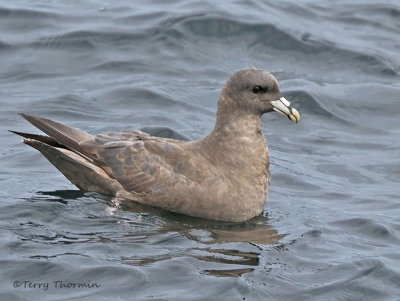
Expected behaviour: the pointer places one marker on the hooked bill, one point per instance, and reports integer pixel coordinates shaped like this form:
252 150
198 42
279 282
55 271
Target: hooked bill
282 106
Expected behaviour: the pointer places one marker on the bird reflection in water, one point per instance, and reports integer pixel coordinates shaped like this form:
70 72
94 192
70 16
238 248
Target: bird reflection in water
221 249
233 247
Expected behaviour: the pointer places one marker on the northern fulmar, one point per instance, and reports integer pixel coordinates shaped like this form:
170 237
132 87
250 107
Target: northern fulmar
224 176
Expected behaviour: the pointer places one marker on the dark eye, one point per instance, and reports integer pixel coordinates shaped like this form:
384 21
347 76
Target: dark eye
259 89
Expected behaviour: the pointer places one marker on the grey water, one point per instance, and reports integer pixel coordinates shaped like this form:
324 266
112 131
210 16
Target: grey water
331 226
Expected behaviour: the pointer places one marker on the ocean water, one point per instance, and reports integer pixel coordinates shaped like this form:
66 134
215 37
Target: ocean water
331 227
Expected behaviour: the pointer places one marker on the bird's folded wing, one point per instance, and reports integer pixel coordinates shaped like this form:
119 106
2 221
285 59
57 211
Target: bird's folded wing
141 163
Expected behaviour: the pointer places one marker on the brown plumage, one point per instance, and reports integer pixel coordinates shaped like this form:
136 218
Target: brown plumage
224 176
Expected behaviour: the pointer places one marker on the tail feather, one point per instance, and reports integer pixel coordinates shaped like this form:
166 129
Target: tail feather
45 139
63 150
77 169
64 135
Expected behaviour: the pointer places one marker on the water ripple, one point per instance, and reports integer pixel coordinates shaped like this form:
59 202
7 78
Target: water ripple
330 228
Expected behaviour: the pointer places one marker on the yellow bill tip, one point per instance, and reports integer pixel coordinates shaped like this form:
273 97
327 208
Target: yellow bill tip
295 116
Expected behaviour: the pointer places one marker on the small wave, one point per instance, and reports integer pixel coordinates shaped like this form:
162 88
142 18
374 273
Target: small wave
121 66
128 96
308 102
66 106
4 46
82 39
350 282
271 36
14 13
369 228
267 34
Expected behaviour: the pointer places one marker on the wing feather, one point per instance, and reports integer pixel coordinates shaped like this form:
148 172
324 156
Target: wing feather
140 162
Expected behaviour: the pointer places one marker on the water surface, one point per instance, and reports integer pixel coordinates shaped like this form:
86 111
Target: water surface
331 226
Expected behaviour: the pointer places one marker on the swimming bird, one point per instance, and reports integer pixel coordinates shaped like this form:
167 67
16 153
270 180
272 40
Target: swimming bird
224 176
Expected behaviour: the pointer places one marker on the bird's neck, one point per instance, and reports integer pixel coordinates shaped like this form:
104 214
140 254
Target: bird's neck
238 135
236 124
